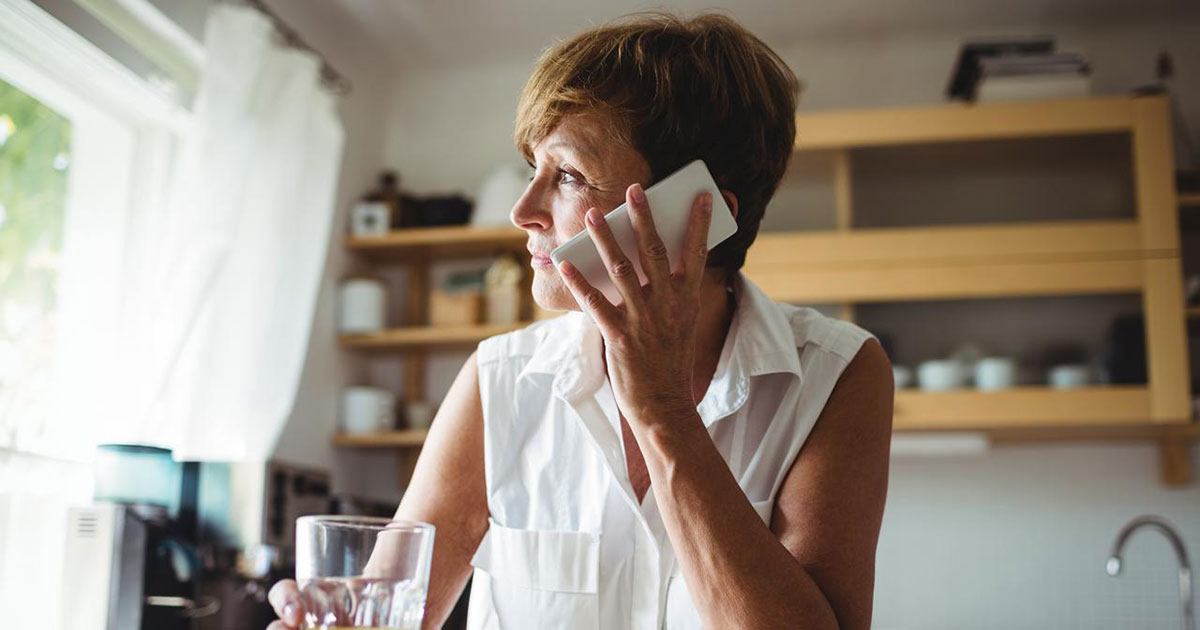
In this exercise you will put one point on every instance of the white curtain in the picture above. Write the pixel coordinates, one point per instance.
(219, 284)
(252, 210)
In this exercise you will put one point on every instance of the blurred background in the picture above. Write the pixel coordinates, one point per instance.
(245, 248)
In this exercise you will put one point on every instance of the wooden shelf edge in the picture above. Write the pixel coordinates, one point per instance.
(1143, 432)
(427, 336)
(1024, 407)
(931, 245)
(1103, 426)
(406, 438)
(420, 239)
(958, 122)
(1189, 200)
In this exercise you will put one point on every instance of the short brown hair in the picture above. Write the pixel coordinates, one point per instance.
(682, 89)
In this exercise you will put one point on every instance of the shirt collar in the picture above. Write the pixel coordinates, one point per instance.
(760, 341)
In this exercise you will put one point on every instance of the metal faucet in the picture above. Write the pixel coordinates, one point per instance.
(1113, 566)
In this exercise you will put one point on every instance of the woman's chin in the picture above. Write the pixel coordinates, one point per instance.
(551, 294)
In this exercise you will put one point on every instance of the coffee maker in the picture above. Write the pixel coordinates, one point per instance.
(169, 545)
(127, 568)
(131, 559)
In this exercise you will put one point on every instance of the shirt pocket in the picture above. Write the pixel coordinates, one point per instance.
(535, 579)
(682, 613)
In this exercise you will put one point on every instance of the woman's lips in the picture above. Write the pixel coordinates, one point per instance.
(541, 261)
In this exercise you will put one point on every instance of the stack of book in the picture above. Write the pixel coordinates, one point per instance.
(1021, 77)
(1018, 69)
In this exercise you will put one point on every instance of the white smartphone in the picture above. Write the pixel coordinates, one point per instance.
(670, 202)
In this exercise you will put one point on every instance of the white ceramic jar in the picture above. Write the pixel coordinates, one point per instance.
(361, 305)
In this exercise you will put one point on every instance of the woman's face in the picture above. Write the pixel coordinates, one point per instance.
(577, 167)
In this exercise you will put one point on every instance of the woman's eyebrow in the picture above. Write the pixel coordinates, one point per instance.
(587, 155)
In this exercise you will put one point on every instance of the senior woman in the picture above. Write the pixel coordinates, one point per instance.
(695, 455)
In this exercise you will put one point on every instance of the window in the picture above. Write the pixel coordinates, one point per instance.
(86, 157)
(34, 166)
(85, 150)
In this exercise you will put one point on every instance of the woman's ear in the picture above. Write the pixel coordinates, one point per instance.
(731, 201)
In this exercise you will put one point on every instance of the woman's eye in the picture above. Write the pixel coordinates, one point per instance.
(566, 177)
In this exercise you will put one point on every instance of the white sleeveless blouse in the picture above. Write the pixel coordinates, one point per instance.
(569, 545)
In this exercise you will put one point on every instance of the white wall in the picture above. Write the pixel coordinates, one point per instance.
(1018, 539)
(1015, 538)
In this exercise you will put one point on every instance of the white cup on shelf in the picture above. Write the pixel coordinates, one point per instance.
(995, 373)
(1068, 376)
(940, 375)
(367, 410)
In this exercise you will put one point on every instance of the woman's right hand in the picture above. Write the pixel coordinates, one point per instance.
(285, 599)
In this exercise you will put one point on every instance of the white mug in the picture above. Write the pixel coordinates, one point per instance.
(995, 373)
(367, 410)
(1068, 376)
(939, 375)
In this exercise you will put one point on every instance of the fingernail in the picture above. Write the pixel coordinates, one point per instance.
(566, 267)
(594, 217)
(706, 203)
(291, 614)
(638, 194)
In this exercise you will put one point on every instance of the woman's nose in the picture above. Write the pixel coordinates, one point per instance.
(529, 213)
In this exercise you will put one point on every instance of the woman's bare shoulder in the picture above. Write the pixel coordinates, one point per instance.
(829, 510)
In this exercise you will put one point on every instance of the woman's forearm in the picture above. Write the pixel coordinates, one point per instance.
(738, 573)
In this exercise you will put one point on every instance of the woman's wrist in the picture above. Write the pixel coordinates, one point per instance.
(664, 430)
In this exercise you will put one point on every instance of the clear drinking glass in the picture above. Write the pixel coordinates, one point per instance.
(362, 572)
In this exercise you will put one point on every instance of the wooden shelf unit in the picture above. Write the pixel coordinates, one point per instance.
(1141, 255)
(848, 265)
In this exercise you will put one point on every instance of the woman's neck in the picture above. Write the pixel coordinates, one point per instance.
(712, 326)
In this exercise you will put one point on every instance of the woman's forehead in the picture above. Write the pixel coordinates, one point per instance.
(590, 135)
(591, 139)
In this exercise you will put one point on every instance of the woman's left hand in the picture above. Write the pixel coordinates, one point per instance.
(649, 339)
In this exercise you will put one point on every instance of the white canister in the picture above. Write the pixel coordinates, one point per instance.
(361, 306)
(902, 376)
(367, 410)
(1068, 376)
(995, 373)
(940, 375)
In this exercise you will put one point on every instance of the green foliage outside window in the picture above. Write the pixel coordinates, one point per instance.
(34, 162)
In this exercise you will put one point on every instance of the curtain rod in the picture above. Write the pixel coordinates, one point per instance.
(335, 81)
